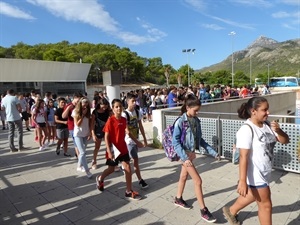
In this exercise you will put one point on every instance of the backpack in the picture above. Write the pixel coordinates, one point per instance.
(99, 125)
(128, 116)
(236, 153)
(167, 141)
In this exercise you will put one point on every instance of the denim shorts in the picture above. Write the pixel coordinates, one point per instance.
(258, 186)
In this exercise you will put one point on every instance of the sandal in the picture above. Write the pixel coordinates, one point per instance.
(67, 154)
(99, 184)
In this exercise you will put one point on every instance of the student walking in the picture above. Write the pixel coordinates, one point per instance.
(186, 152)
(99, 117)
(51, 122)
(115, 129)
(134, 123)
(82, 132)
(39, 116)
(256, 143)
(62, 131)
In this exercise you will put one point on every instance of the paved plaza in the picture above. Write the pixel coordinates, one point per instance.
(41, 188)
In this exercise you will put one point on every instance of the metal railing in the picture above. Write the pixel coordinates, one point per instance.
(220, 133)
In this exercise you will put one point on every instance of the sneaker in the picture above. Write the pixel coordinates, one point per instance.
(57, 151)
(99, 184)
(143, 184)
(218, 157)
(180, 202)
(122, 169)
(28, 129)
(133, 195)
(207, 216)
(42, 148)
(89, 174)
(94, 166)
(232, 219)
(53, 143)
(80, 169)
(67, 154)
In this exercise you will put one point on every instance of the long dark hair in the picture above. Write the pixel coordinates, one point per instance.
(244, 112)
(190, 101)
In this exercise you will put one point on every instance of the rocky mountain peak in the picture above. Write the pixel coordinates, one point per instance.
(263, 42)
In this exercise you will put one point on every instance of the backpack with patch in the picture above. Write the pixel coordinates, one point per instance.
(167, 140)
(236, 153)
(128, 117)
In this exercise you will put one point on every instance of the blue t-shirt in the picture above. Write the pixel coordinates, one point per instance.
(171, 102)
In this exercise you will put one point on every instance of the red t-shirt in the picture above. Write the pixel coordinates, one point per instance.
(70, 118)
(116, 129)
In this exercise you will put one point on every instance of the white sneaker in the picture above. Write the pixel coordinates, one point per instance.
(53, 143)
(80, 169)
(42, 148)
(89, 174)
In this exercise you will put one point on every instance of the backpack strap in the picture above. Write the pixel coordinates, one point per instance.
(250, 128)
(127, 116)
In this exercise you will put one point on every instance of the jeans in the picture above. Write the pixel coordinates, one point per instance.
(81, 143)
(11, 133)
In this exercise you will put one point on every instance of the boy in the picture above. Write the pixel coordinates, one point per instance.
(134, 123)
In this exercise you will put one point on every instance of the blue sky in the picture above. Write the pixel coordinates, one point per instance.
(152, 28)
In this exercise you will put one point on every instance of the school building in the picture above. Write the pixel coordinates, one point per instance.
(62, 78)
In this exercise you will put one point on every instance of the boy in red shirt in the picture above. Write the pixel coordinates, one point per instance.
(115, 130)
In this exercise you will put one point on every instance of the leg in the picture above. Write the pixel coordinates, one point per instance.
(20, 132)
(65, 141)
(128, 176)
(81, 144)
(242, 202)
(106, 172)
(191, 170)
(39, 134)
(96, 150)
(11, 134)
(263, 199)
(137, 168)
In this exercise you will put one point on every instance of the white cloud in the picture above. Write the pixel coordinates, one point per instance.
(291, 2)
(255, 3)
(94, 14)
(232, 23)
(198, 5)
(12, 11)
(212, 26)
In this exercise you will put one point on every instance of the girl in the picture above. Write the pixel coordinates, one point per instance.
(51, 121)
(115, 129)
(40, 120)
(99, 117)
(82, 132)
(186, 152)
(256, 143)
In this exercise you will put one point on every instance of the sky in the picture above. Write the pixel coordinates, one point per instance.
(152, 28)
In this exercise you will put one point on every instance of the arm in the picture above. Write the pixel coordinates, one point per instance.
(108, 144)
(138, 143)
(93, 122)
(66, 112)
(208, 148)
(59, 121)
(141, 127)
(243, 165)
(19, 108)
(282, 137)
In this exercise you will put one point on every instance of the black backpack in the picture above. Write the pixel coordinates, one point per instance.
(99, 125)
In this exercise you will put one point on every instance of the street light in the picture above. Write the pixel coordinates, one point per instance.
(188, 52)
(268, 74)
(232, 33)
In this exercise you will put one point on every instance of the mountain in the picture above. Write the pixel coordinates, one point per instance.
(280, 58)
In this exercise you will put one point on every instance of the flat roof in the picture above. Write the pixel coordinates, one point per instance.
(26, 70)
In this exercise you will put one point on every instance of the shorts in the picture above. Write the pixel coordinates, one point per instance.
(62, 133)
(25, 116)
(41, 125)
(51, 123)
(259, 186)
(121, 158)
(2, 115)
(133, 151)
(101, 135)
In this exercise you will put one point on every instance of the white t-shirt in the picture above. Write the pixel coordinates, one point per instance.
(133, 125)
(40, 115)
(83, 130)
(261, 147)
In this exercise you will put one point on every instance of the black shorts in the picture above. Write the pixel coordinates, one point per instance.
(121, 158)
(42, 124)
(25, 116)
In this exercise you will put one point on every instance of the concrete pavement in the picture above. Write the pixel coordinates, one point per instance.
(43, 188)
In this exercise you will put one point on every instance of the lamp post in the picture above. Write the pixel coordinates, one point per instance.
(188, 52)
(268, 74)
(250, 69)
(232, 33)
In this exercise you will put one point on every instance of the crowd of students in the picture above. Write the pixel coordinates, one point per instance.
(119, 124)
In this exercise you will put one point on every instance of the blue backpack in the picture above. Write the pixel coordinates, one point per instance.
(167, 141)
